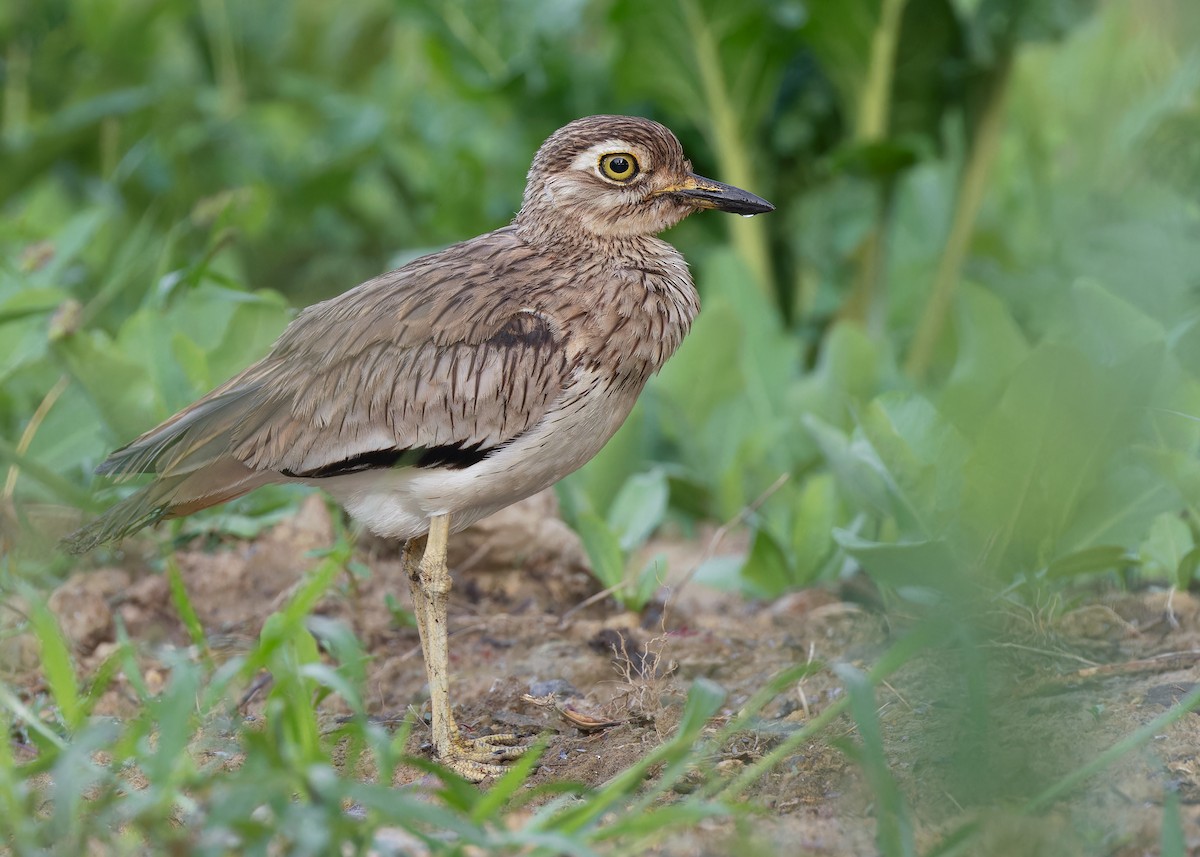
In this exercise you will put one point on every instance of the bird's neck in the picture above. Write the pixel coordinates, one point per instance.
(570, 241)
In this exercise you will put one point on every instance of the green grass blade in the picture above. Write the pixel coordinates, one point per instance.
(32, 722)
(1174, 842)
(894, 833)
(183, 604)
(506, 787)
(57, 666)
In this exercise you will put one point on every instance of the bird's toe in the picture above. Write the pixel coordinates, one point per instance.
(479, 758)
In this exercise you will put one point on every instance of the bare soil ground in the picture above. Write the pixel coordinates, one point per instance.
(969, 733)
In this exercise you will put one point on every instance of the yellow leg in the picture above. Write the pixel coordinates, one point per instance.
(429, 580)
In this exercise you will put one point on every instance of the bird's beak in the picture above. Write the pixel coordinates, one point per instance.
(707, 193)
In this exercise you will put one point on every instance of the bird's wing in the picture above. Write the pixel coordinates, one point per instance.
(439, 362)
(442, 355)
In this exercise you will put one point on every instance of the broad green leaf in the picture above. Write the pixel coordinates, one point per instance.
(850, 369)
(1089, 561)
(705, 372)
(1120, 508)
(1048, 444)
(639, 508)
(255, 321)
(767, 572)
(9, 313)
(232, 328)
(861, 476)
(725, 393)
(814, 514)
(603, 548)
(721, 572)
(49, 481)
(907, 565)
(23, 333)
(1186, 573)
(116, 382)
(922, 457)
(1105, 327)
(1163, 551)
(990, 346)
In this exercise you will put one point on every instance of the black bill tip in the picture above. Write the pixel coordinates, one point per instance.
(708, 193)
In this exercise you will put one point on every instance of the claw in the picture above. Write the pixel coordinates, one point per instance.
(478, 758)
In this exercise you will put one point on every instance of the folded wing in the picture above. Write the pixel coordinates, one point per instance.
(431, 365)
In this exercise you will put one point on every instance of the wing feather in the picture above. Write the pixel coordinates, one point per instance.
(450, 356)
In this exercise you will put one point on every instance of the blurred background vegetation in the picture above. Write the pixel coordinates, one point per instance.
(967, 341)
(965, 350)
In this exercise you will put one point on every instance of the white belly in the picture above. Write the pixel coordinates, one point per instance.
(398, 502)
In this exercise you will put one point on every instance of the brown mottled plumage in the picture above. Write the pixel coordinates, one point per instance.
(440, 392)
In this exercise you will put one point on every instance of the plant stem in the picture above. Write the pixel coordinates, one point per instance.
(749, 236)
(35, 422)
(872, 122)
(971, 188)
(871, 126)
(868, 280)
(224, 53)
(15, 116)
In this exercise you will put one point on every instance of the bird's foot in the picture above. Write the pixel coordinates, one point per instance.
(476, 759)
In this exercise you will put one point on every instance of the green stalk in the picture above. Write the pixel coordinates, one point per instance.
(224, 52)
(966, 210)
(876, 97)
(749, 236)
(15, 117)
(868, 280)
(871, 126)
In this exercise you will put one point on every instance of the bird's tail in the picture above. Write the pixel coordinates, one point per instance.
(148, 506)
(169, 497)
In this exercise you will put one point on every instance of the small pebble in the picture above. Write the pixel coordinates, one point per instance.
(553, 687)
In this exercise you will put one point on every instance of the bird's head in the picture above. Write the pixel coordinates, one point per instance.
(620, 176)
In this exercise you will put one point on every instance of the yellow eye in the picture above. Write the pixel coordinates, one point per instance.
(619, 166)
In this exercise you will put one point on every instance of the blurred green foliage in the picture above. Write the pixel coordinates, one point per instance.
(965, 348)
(968, 336)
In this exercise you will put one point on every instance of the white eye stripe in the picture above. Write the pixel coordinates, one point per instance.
(589, 159)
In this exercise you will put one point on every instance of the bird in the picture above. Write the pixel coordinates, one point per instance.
(438, 393)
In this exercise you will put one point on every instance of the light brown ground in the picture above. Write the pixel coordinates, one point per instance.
(956, 755)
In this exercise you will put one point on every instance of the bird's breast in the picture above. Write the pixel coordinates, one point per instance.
(638, 319)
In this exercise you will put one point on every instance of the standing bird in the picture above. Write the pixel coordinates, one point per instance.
(469, 379)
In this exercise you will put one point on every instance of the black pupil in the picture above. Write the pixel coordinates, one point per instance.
(619, 165)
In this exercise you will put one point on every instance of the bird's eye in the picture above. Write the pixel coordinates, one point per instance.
(619, 166)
